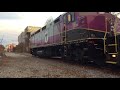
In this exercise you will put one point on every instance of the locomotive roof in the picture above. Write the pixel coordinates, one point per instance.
(35, 32)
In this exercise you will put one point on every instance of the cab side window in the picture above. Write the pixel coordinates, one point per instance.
(70, 17)
(73, 16)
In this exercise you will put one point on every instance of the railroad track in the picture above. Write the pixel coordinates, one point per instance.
(109, 68)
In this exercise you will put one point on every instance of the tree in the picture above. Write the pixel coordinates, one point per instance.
(2, 53)
(116, 13)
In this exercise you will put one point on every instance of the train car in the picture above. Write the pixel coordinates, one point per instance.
(80, 36)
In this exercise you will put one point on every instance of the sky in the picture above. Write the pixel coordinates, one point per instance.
(13, 23)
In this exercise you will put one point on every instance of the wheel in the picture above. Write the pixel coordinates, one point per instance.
(78, 55)
(82, 58)
(100, 62)
(118, 60)
(73, 54)
(100, 59)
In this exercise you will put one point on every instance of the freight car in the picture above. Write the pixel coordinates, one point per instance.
(80, 36)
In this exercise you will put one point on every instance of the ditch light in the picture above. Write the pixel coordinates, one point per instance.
(114, 55)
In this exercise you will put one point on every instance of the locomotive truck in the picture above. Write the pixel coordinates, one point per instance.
(80, 36)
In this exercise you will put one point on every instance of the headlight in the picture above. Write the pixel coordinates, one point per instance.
(113, 55)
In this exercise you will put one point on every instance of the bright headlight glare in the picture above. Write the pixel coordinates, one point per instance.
(113, 55)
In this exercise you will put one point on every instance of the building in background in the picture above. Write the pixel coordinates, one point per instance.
(28, 31)
(23, 39)
(10, 47)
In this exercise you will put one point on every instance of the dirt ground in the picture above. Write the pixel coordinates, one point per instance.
(22, 65)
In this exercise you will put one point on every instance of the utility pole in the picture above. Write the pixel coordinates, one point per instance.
(1, 40)
(2, 53)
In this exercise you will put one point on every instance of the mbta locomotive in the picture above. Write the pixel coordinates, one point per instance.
(80, 36)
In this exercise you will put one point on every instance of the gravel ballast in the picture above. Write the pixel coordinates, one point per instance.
(23, 65)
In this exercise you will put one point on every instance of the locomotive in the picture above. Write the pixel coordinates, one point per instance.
(80, 36)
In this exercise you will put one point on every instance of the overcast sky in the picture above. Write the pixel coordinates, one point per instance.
(13, 23)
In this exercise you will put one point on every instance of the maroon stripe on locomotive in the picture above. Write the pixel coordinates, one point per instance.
(96, 21)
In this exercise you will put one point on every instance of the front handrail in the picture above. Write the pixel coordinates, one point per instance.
(105, 35)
